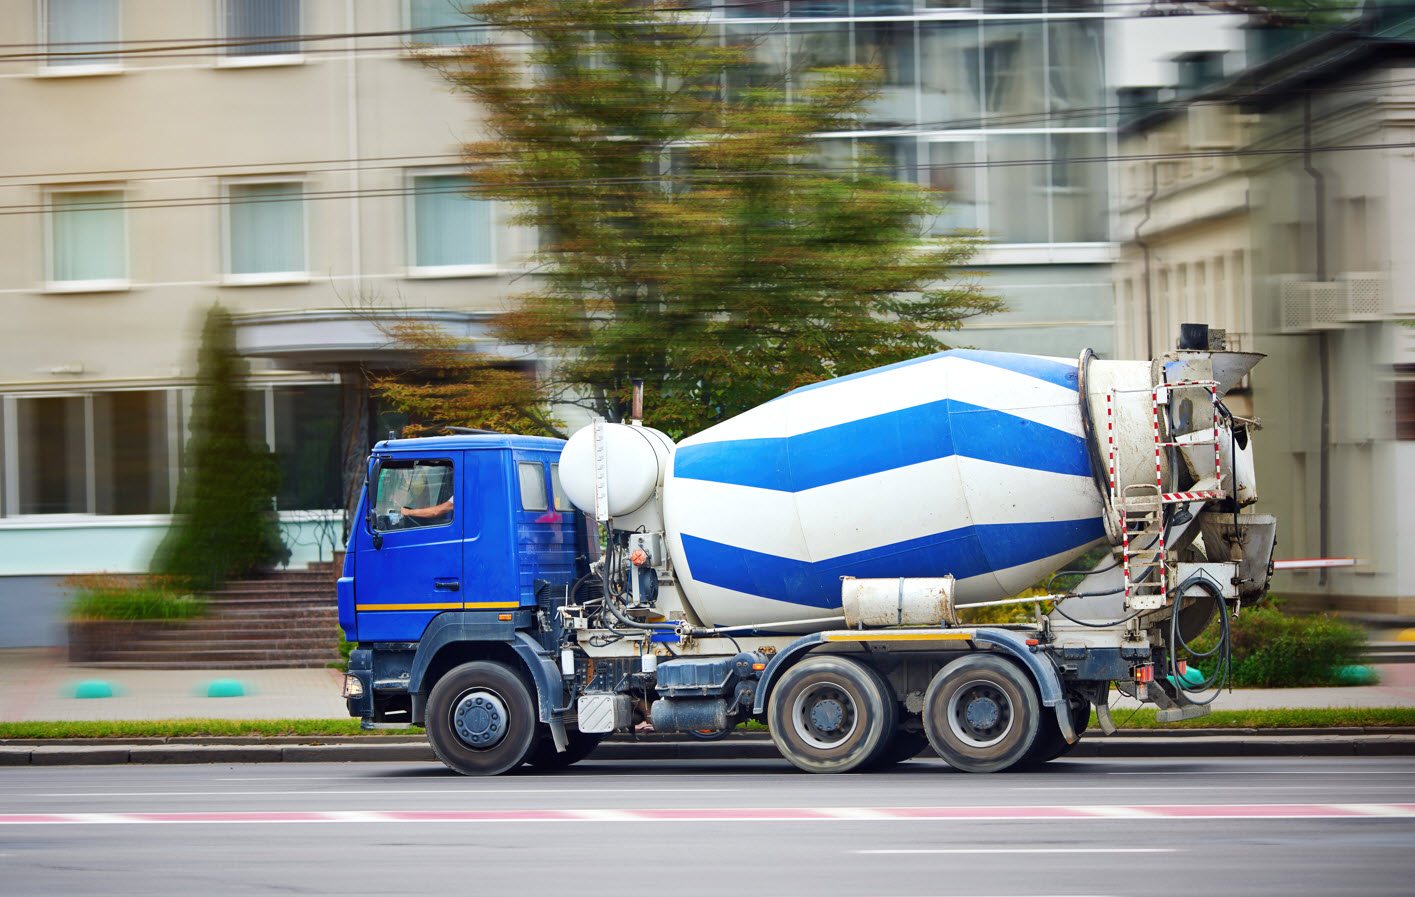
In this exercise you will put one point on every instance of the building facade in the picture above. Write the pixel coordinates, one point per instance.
(1271, 205)
(298, 162)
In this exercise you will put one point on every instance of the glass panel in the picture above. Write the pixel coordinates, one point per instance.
(1012, 69)
(248, 20)
(1076, 74)
(818, 45)
(1017, 193)
(52, 457)
(532, 476)
(307, 446)
(82, 32)
(267, 228)
(562, 501)
(1079, 196)
(442, 23)
(755, 9)
(87, 238)
(130, 453)
(953, 170)
(950, 93)
(410, 494)
(889, 46)
(884, 7)
(899, 155)
(765, 65)
(807, 9)
(449, 227)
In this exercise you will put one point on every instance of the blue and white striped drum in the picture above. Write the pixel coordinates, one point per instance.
(968, 463)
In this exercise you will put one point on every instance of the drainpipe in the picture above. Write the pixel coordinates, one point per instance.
(1319, 192)
(1145, 250)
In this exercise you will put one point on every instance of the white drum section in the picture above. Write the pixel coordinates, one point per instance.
(964, 463)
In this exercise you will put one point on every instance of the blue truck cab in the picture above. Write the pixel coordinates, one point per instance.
(461, 549)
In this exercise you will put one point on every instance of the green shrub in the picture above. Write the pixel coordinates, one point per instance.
(106, 596)
(1272, 649)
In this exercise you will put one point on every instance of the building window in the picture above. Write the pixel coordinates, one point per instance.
(265, 233)
(451, 232)
(1017, 177)
(889, 47)
(444, 23)
(88, 244)
(52, 455)
(950, 75)
(130, 451)
(261, 29)
(1013, 58)
(81, 36)
(953, 170)
(1078, 188)
(306, 424)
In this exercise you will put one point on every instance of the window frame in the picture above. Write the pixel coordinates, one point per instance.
(48, 69)
(225, 59)
(416, 50)
(411, 268)
(263, 278)
(92, 285)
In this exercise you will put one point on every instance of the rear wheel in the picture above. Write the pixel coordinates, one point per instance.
(982, 714)
(579, 745)
(832, 714)
(480, 719)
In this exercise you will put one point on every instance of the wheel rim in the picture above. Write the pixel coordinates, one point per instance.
(479, 718)
(824, 715)
(980, 714)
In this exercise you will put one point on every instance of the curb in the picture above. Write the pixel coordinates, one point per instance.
(415, 749)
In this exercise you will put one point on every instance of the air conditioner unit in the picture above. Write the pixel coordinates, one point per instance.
(1311, 305)
(1365, 295)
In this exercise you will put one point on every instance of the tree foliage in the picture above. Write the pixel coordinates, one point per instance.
(224, 524)
(694, 233)
(451, 386)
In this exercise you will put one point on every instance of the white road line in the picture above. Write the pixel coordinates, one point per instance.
(1274, 772)
(438, 792)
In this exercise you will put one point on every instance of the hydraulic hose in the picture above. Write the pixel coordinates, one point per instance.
(1222, 649)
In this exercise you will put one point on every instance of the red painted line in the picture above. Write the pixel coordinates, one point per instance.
(1250, 811)
(31, 819)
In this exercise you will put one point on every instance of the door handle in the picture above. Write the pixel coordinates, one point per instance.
(447, 585)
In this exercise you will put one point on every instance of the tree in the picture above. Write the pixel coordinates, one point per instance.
(452, 386)
(224, 522)
(693, 233)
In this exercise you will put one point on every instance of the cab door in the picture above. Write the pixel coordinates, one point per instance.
(409, 564)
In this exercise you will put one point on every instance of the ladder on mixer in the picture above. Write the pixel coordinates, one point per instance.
(1140, 506)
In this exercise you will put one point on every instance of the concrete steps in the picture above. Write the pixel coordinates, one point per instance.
(278, 620)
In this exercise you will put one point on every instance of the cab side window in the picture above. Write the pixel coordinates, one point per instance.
(532, 478)
(410, 493)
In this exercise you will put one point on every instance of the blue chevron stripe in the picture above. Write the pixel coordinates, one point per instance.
(964, 552)
(884, 442)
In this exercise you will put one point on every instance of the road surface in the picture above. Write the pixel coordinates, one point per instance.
(1081, 827)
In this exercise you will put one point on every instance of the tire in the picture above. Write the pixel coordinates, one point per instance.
(544, 756)
(480, 719)
(905, 746)
(832, 714)
(982, 714)
(1050, 743)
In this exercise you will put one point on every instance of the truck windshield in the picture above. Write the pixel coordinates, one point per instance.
(411, 493)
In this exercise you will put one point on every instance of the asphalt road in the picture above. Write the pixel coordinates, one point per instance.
(1135, 827)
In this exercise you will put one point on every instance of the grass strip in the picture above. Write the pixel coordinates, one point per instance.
(1322, 718)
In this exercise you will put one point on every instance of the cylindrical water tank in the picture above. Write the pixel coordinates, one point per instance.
(964, 463)
(637, 459)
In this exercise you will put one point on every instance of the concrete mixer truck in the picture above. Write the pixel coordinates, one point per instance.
(808, 564)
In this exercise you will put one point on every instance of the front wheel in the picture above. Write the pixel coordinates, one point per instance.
(832, 714)
(982, 714)
(578, 747)
(480, 719)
